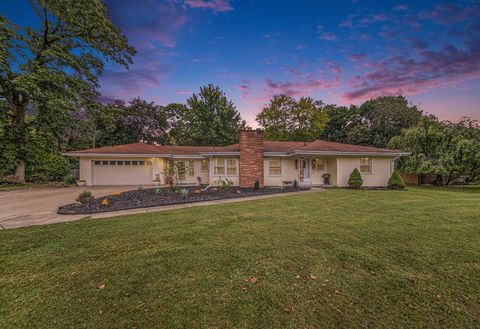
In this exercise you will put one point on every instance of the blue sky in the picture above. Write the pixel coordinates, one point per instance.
(342, 52)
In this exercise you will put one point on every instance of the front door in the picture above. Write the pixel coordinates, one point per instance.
(304, 171)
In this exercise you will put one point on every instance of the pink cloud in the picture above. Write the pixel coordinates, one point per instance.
(215, 5)
(183, 92)
(357, 57)
(297, 88)
(412, 75)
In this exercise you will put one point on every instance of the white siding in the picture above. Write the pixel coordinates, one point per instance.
(381, 170)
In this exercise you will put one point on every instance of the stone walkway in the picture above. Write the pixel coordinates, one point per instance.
(30, 207)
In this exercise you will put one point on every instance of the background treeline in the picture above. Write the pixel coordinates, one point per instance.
(49, 87)
(439, 148)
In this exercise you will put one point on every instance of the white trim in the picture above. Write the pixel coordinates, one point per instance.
(275, 154)
(366, 154)
(218, 154)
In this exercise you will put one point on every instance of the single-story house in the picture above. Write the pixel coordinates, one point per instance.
(273, 163)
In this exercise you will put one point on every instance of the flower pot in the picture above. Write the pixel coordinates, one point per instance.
(81, 183)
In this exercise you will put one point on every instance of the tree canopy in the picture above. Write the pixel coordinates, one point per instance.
(209, 118)
(439, 148)
(51, 69)
(296, 120)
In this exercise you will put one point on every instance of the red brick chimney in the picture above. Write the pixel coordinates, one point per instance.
(251, 157)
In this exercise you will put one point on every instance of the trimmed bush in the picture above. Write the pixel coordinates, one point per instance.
(355, 180)
(295, 184)
(84, 197)
(396, 181)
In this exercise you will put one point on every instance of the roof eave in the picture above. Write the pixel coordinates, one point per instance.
(209, 154)
(117, 155)
(350, 153)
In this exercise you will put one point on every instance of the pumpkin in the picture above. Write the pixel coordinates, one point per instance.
(105, 202)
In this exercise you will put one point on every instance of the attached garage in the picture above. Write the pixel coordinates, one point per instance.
(122, 172)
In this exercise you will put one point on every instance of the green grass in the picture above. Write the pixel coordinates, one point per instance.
(338, 259)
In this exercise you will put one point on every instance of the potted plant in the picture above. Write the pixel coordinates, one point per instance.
(326, 178)
(81, 182)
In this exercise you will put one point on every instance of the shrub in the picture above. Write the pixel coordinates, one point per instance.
(184, 193)
(256, 186)
(69, 179)
(84, 197)
(396, 181)
(157, 190)
(224, 184)
(295, 184)
(355, 180)
(140, 187)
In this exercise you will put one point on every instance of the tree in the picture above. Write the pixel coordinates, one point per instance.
(446, 149)
(288, 119)
(138, 121)
(208, 119)
(373, 123)
(53, 69)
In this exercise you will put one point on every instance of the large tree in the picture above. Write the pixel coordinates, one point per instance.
(209, 118)
(372, 123)
(448, 150)
(50, 68)
(295, 120)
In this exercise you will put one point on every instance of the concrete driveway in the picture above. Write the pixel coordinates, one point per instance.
(37, 206)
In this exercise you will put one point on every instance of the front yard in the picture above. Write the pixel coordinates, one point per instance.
(338, 259)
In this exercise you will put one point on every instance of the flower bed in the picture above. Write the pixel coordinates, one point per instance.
(143, 198)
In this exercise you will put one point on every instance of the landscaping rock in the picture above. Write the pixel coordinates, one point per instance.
(162, 197)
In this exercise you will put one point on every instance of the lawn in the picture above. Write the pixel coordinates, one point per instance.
(338, 259)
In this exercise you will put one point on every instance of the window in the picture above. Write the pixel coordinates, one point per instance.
(231, 167)
(274, 166)
(119, 163)
(191, 168)
(127, 163)
(149, 163)
(181, 170)
(219, 166)
(134, 163)
(204, 165)
(98, 163)
(366, 165)
(104, 163)
(318, 164)
(171, 167)
(141, 163)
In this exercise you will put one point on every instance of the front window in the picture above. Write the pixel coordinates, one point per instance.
(318, 164)
(204, 165)
(219, 166)
(366, 165)
(274, 166)
(231, 167)
(181, 170)
(191, 168)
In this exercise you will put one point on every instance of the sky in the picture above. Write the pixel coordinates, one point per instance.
(341, 52)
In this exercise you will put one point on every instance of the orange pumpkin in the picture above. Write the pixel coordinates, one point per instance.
(117, 194)
(105, 202)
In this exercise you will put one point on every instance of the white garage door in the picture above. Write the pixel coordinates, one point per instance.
(122, 172)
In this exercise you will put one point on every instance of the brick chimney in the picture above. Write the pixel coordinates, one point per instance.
(251, 157)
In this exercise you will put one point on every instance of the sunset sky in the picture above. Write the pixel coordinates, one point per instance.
(341, 52)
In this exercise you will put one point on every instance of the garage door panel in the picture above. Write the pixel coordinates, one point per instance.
(122, 175)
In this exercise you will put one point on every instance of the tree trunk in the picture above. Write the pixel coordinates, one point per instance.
(20, 171)
(18, 137)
